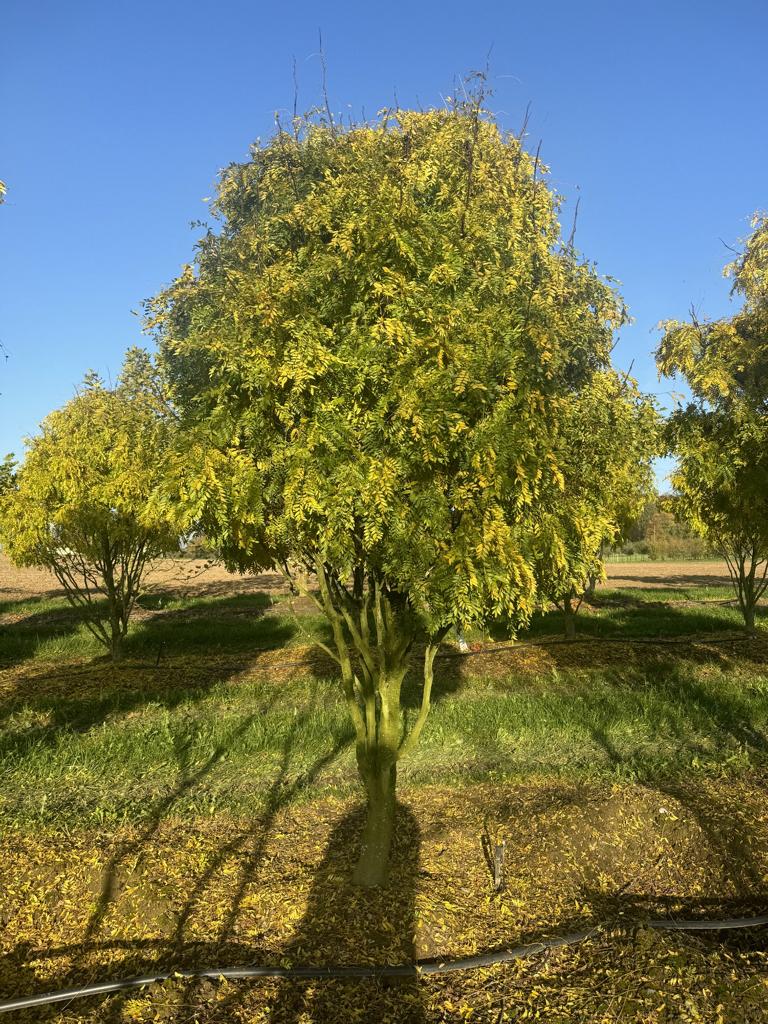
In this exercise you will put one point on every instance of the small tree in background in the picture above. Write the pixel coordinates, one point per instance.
(720, 438)
(7, 474)
(79, 503)
(608, 438)
(373, 360)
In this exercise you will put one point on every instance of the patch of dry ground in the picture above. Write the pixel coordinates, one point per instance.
(275, 891)
(197, 577)
(664, 575)
(184, 577)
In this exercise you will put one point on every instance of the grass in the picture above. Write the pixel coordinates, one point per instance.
(202, 810)
(51, 630)
(647, 612)
(106, 744)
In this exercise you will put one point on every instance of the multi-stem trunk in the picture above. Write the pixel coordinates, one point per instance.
(379, 628)
(749, 574)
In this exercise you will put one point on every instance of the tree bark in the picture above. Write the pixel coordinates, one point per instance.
(116, 644)
(569, 618)
(749, 616)
(373, 865)
(117, 626)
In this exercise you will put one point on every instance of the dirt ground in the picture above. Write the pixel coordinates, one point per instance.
(180, 575)
(186, 576)
(667, 574)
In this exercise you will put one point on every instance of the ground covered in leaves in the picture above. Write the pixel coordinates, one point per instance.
(197, 807)
(84, 905)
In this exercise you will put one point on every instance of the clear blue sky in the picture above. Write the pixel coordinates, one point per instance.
(117, 116)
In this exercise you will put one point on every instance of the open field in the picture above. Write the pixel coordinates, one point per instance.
(192, 576)
(197, 806)
(667, 574)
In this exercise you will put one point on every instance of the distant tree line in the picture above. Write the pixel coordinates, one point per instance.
(661, 535)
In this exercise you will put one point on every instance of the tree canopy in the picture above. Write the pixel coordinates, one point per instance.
(720, 437)
(80, 503)
(374, 357)
(609, 435)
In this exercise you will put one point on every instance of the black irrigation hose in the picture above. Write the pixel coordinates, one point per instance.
(363, 971)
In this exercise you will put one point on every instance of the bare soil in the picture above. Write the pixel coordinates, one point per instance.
(187, 576)
(179, 575)
(663, 575)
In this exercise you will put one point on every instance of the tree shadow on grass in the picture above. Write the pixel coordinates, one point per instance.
(235, 623)
(21, 638)
(730, 834)
(242, 855)
(685, 704)
(51, 703)
(632, 617)
(691, 579)
(630, 663)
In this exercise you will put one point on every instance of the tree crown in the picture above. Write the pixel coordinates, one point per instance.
(374, 354)
(89, 474)
(721, 437)
(725, 362)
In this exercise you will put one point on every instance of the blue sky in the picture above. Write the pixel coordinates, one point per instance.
(117, 116)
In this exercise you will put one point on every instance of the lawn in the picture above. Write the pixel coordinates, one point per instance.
(197, 806)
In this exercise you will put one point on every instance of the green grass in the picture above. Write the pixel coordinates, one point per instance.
(672, 595)
(644, 612)
(99, 745)
(51, 630)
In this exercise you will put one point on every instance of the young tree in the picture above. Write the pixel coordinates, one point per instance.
(608, 439)
(373, 357)
(720, 437)
(79, 503)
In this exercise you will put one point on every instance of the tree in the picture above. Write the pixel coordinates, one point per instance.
(79, 503)
(720, 437)
(609, 437)
(7, 474)
(372, 359)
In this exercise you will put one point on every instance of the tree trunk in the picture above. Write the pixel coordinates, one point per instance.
(749, 616)
(116, 645)
(380, 627)
(380, 781)
(569, 618)
(747, 599)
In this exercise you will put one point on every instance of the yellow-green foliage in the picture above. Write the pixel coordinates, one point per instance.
(721, 436)
(79, 505)
(375, 358)
(378, 353)
(725, 362)
(608, 438)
